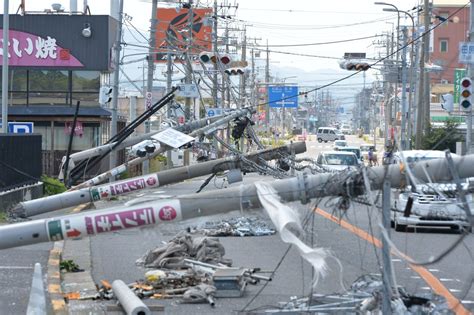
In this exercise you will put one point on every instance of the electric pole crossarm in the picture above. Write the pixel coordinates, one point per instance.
(106, 191)
(303, 187)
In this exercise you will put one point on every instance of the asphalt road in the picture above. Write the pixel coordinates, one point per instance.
(114, 255)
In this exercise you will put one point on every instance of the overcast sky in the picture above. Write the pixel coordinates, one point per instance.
(296, 22)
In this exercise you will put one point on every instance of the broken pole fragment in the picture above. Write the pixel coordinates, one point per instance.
(302, 187)
(109, 190)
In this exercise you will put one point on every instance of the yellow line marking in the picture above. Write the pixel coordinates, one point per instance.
(431, 280)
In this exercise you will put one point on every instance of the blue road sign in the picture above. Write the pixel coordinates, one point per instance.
(20, 127)
(216, 111)
(283, 96)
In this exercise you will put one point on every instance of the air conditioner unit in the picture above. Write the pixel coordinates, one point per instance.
(444, 81)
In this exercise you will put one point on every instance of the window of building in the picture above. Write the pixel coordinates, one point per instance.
(443, 45)
(53, 87)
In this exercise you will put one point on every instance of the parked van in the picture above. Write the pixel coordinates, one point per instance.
(329, 134)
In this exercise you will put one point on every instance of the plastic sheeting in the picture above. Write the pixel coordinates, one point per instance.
(287, 222)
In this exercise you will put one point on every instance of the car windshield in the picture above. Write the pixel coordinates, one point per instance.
(353, 150)
(340, 143)
(340, 159)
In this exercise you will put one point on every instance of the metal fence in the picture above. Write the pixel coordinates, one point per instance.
(20, 160)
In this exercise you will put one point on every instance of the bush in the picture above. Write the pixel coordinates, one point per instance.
(442, 138)
(52, 186)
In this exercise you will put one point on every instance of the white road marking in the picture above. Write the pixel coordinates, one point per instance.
(425, 288)
(467, 302)
(446, 280)
(415, 277)
(454, 290)
(396, 260)
(15, 267)
(433, 270)
(159, 192)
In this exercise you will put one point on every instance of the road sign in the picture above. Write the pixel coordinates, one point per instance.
(173, 138)
(20, 127)
(466, 52)
(148, 99)
(211, 112)
(188, 90)
(283, 96)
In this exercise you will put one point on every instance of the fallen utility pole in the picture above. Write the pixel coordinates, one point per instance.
(175, 175)
(212, 125)
(303, 187)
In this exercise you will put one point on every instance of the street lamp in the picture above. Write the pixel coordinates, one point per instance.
(389, 106)
(406, 113)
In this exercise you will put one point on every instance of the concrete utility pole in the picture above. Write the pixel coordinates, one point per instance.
(302, 187)
(243, 77)
(427, 83)
(151, 68)
(117, 49)
(470, 74)
(214, 47)
(189, 68)
(107, 191)
(267, 81)
(403, 129)
(423, 108)
(6, 28)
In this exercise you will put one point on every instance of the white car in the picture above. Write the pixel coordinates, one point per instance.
(337, 160)
(339, 144)
(434, 205)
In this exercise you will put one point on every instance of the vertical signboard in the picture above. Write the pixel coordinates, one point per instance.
(458, 75)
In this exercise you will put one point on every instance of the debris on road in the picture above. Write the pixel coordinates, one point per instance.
(172, 254)
(241, 226)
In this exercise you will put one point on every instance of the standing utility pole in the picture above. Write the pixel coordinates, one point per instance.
(117, 48)
(403, 131)
(214, 44)
(424, 93)
(470, 75)
(189, 47)
(242, 86)
(151, 66)
(5, 67)
(267, 81)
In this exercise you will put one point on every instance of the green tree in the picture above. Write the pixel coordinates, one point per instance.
(442, 138)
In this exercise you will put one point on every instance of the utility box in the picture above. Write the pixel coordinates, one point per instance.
(229, 282)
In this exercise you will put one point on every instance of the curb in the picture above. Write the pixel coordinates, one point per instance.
(54, 280)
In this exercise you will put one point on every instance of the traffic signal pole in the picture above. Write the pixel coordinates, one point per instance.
(302, 187)
(107, 191)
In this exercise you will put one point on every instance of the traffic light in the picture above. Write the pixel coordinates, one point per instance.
(356, 65)
(466, 94)
(234, 71)
(105, 95)
(447, 102)
(208, 57)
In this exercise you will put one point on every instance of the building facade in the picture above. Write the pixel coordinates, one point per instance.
(55, 61)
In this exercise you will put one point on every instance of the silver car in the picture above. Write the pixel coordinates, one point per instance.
(434, 205)
(337, 160)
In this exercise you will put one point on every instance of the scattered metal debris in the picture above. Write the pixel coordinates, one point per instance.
(364, 297)
(241, 226)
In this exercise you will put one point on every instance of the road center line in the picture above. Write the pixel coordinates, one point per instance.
(454, 304)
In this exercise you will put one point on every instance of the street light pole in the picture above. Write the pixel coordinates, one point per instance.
(406, 112)
(397, 53)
